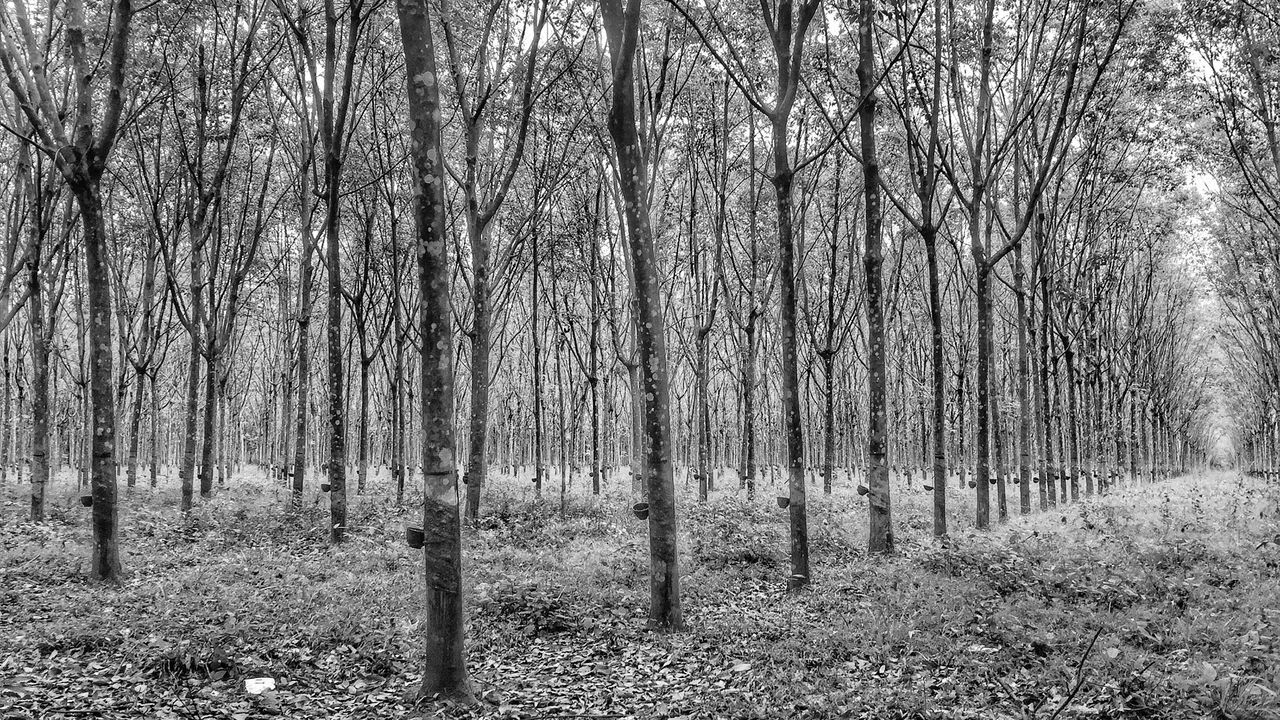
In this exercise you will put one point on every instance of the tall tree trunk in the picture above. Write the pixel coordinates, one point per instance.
(929, 233)
(828, 421)
(536, 335)
(154, 468)
(638, 487)
(209, 445)
(594, 370)
(1073, 423)
(749, 461)
(304, 350)
(983, 410)
(880, 521)
(191, 427)
(397, 422)
(102, 470)
(622, 30)
(333, 333)
(223, 453)
(1024, 387)
(792, 422)
(363, 471)
(6, 409)
(135, 424)
(1098, 482)
(703, 410)
(478, 427)
(1048, 491)
(445, 671)
(39, 378)
(997, 444)
(1059, 418)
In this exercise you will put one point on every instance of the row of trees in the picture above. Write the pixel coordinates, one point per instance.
(796, 241)
(1240, 52)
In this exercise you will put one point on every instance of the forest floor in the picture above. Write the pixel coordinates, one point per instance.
(1156, 601)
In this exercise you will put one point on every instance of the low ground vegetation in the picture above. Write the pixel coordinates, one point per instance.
(1152, 602)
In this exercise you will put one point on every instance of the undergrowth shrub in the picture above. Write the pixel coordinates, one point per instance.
(732, 532)
(542, 524)
(531, 607)
(45, 565)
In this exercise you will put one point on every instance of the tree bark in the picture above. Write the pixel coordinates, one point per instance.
(154, 468)
(929, 233)
(304, 349)
(39, 378)
(333, 334)
(191, 429)
(363, 471)
(749, 462)
(828, 421)
(102, 466)
(210, 416)
(445, 672)
(880, 538)
(1024, 388)
(478, 427)
(622, 31)
(1073, 423)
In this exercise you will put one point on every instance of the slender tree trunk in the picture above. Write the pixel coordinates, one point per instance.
(929, 233)
(397, 423)
(622, 31)
(703, 410)
(983, 410)
(749, 462)
(191, 431)
(102, 471)
(333, 333)
(1097, 483)
(154, 468)
(1048, 491)
(210, 415)
(135, 424)
(638, 486)
(1073, 424)
(792, 422)
(1134, 433)
(536, 335)
(997, 444)
(477, 457)
(828, 422)
(1024, 388)
(224, 451)
(445, 671)
(284, 449)
(363, 476)
(881, 538)
(1059, 416)
(304, 355)
(39, 380)
(595, 426)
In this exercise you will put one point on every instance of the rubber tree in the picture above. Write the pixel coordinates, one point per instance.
(622, 30)
(478, 92)
(46, 279)
(787, 26)
(880, 520)
(445, 670)
(79, 135)
(924, 160)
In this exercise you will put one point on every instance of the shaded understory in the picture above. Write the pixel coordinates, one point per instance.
(1159, 601)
